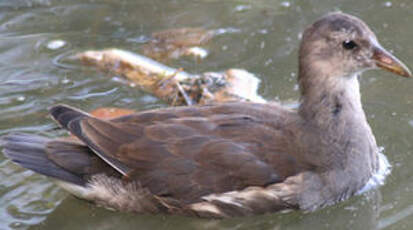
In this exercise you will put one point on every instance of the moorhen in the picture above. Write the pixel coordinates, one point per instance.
(230, 159)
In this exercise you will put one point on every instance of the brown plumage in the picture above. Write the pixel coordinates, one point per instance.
(228, 159)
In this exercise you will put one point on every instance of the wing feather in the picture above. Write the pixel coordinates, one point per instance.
(187, 152)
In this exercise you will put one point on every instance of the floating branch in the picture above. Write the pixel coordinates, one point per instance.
(176, 86)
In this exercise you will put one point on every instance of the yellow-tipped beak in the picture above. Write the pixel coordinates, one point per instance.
(387, 61)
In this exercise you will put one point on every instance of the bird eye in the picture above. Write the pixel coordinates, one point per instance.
(349, 45)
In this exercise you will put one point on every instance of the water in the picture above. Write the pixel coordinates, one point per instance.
(258, 35)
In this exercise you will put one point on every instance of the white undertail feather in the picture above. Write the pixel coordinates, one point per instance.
(112, 193)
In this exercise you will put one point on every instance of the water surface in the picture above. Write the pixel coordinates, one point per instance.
(263, 38)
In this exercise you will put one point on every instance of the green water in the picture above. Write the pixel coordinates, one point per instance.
(263, 37)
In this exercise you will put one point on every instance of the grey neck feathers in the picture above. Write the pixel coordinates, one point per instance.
(326, 98)
(331, 107)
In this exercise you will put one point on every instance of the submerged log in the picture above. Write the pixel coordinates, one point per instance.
(174, 43)
(110, 112)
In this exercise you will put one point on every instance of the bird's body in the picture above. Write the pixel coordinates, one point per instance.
(228, 159)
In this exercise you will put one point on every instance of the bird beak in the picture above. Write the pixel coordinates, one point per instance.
(387, 61)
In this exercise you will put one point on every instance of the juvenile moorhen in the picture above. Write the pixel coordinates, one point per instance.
(228, 159)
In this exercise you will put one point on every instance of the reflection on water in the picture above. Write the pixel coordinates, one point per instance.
(258, 35)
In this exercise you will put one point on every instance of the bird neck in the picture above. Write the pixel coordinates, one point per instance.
(331, 108)
(326, 98)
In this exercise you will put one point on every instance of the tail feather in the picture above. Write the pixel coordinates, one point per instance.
(65, 114)
(89, 130)
(29, 151)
